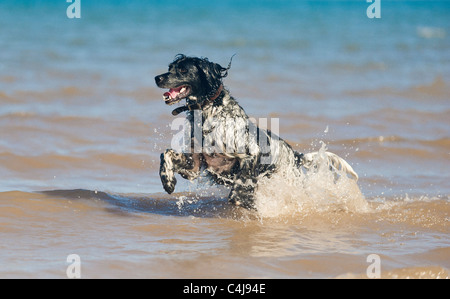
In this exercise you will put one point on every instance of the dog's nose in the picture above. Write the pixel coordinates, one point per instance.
(159, 79)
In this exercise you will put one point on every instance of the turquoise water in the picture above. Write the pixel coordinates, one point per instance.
(314, 43)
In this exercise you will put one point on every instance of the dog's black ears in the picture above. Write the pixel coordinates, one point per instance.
(223, 72)
(218, 71)
(211, 73)
(215, 69)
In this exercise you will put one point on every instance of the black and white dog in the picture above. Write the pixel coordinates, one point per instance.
(231, 149)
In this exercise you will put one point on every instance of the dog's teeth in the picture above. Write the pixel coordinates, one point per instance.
(182, 89)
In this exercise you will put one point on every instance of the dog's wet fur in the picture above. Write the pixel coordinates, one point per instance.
(199, 81)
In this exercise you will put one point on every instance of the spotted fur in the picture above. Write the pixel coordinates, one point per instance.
(233, 150)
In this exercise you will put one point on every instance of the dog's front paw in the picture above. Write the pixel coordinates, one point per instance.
(166, 173)
(168, 183)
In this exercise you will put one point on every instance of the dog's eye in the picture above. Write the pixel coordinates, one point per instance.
(182, 70)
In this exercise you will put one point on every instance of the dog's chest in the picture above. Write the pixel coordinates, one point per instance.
(219, 163)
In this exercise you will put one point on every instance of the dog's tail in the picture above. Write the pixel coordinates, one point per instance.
(311, 160)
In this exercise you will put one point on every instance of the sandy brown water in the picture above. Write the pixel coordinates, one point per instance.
(89, 185)
(138, 236)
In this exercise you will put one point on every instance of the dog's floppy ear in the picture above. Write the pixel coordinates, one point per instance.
(213, 74)
(221, 71)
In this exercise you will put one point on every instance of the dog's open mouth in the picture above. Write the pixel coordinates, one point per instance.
(174, 95)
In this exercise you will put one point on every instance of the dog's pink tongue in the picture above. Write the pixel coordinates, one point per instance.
(173, 92)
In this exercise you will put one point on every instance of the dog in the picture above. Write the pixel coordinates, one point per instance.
(232, 150)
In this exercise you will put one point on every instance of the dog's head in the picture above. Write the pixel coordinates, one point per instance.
(194, 78)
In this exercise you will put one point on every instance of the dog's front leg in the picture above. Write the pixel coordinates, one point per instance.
(187, 165)
(166, 171)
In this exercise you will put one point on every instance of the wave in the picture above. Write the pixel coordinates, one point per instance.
(320, 210)
(178, 204)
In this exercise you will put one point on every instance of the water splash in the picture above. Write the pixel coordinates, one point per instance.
(316, 190)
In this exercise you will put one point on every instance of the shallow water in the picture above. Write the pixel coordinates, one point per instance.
(160, 236)
(82, 125)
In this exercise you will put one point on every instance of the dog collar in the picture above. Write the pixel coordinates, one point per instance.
(196, 106)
